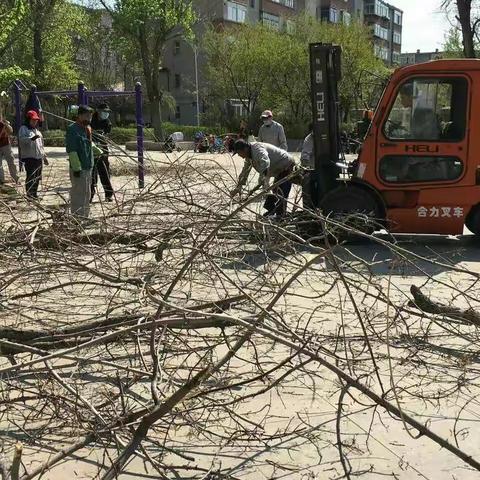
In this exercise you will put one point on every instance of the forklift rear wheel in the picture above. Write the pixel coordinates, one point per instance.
(473, 220)
(353, 208)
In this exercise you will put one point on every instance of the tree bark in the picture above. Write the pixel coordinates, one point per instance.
(39, 65)
(151, 65)
(464, 8)
(40, 11)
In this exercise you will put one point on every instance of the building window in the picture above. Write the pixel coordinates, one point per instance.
(381, 52)
(331, 15)
(176, 50)
(396, 58)
(177, 112)
(236, 13)
(290, 3)
(237, 107)
(290, 27)
(378, 8)
(397, 17)
(334, 15)
(270, 20)
(380, 32)
(252, 3)
(178, 80)
(346, 17)
(397, 38)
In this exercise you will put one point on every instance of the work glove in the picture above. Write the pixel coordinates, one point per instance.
(96, 151)
(75, 163)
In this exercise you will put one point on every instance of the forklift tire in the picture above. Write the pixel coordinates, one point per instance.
(351, 207)
(472, 221)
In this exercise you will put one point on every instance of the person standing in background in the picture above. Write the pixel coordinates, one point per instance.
(32, 153)
(101, 127)
(272, 132)
(6, 152)
(81, 151)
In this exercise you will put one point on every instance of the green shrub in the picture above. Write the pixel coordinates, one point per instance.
(122, 135)
(54, 138)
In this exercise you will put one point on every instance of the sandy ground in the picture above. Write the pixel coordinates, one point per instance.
(377, 444)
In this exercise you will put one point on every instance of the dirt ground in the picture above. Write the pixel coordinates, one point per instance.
(427, 367)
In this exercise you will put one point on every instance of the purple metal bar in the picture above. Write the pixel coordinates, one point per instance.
(109, 93)
(82, 97)
(139, 119)
(65, 93)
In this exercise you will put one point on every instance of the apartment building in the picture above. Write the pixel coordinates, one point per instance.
(334, 11)
(183, 64)
(386, 23)
(419, 57)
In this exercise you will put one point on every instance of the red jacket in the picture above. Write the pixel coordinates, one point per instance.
(4, 136)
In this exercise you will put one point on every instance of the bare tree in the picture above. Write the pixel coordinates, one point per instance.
(463, 14)
(179, 335)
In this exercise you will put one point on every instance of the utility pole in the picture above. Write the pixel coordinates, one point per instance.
(195, 52)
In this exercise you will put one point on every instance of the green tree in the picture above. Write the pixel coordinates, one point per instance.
(267, 68)
(148, 24)
(453, 48)
(102, 65)
(11, 15)
(55, 65)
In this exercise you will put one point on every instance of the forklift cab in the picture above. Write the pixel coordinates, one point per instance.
(419, 168)
(418, 154)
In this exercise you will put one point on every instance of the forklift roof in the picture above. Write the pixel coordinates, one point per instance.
(447, 66)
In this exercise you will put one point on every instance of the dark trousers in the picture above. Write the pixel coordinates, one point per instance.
(307, 186)
(33, 167)
(276, 202)
(101, 167)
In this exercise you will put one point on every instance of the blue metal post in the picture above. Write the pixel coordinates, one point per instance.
(139, 120)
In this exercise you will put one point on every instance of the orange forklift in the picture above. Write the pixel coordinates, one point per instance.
(419, 167)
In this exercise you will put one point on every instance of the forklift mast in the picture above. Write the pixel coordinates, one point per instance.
(325, 73)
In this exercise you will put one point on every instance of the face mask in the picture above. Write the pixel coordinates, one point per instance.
(104, 115)
(268, 121)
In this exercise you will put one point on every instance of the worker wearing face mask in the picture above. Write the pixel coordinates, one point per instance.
(101, 127)
(81, 152)
(272, 132)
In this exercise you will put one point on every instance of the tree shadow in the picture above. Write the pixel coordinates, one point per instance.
(408, 255)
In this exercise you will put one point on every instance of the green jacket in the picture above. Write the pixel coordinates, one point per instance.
(80, 147)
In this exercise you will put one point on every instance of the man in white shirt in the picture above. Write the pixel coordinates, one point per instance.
(272, 132)
(268, 161)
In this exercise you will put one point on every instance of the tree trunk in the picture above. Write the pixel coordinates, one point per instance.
(39, 65)
(151, 66)
(156, 117)
(464, 8)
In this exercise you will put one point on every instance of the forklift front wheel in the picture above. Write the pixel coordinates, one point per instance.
(351, 208)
